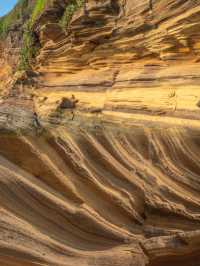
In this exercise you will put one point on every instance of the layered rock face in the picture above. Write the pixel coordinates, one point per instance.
(99, 146)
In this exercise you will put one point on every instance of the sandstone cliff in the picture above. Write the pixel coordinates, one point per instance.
(100, 136)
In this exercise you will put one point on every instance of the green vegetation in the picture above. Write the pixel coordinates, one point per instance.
(29, 50)
(37, 10)
(69, 12)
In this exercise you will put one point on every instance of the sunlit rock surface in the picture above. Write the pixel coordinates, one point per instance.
(100, 143)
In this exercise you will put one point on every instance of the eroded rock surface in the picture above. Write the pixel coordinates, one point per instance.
(100, 141)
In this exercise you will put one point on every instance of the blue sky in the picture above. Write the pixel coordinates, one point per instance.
(6, 6)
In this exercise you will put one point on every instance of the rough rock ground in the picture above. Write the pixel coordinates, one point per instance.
(115, 178)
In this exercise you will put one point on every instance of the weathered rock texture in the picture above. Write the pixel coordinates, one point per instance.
(99, 150)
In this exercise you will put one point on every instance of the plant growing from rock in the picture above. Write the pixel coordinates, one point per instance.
(29, 50)
(71, 8)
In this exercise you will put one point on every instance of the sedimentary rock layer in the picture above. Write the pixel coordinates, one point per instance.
(99, 143)
(105, 195)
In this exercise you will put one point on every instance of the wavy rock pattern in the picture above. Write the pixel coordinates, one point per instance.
(112, 178)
